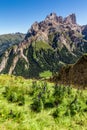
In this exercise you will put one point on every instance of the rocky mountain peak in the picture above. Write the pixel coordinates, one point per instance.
(71, 19)
(52, 16)
(51, 24)
(52, 20)
(35, 26)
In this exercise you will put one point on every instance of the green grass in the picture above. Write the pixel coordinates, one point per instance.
(61, 108)
(45, 74)
(41, 45)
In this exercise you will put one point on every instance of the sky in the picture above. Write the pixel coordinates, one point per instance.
(19, 15)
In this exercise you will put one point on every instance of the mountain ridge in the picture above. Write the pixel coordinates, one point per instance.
(8, 40)
(48, 45)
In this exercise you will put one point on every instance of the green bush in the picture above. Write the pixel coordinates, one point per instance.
(37, 105)
(14, 95)
(41, 97)
(21, 100)
(17, 115)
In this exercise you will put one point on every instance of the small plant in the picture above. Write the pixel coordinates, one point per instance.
(41, 97)
(17, 115)
(21, 100)
(37, 105)
(14, 95)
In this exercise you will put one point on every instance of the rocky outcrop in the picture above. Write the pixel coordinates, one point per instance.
(14, 62)
(84, 31)
(52, 18)
(71, 19)
(4, 61)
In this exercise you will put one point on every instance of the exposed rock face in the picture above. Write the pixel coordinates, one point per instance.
(84, 31)
(71, 19)
(52, 17)
(4, 61)
(48, 45)
(67, 29)
(55, 24)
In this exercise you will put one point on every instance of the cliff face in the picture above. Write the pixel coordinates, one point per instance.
(48, 45)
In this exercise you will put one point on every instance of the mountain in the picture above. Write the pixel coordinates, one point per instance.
(8, 40)
(48, 45)
(75, 74)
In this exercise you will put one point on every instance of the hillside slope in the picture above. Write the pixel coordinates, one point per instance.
(8, 40)
(39, 105)
(75, 74)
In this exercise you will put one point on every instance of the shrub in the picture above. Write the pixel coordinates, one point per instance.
(14, 95)
(37, 105)
(41, 97)
(15, 114)
(21, 100)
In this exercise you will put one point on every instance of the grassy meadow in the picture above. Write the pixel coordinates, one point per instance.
(27, 104)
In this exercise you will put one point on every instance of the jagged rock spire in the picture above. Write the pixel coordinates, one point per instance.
(70, 19)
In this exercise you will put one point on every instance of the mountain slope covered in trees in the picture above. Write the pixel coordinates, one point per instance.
(8, 40)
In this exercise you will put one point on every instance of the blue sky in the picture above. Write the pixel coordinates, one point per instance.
(18, 15)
